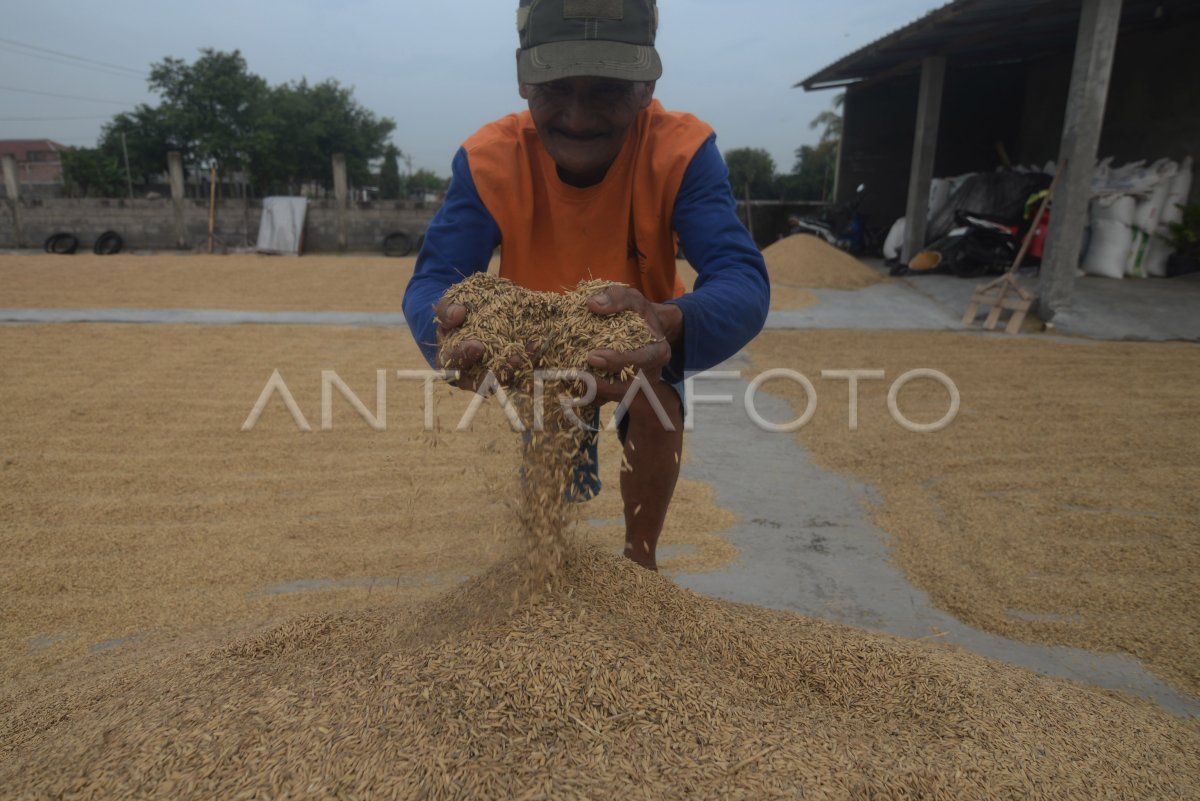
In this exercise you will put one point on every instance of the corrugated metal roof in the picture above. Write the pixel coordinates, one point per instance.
(986, 31)
(20, 149)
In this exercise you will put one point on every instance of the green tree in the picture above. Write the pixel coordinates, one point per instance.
(829, 121)
(212, 106)
(389, 174)
(215, 110)
(92, 173)
(812, 174)
(426, 181)
(148, 137)
(303, 125)
(751, 167)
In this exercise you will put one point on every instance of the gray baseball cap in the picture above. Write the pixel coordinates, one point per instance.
(587, 38)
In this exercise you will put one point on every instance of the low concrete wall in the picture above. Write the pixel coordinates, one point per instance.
(150, 224)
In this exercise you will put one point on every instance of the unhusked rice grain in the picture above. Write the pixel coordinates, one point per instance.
(617, 684)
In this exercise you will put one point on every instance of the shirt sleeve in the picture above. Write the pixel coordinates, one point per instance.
(458, 243)
(728, 305)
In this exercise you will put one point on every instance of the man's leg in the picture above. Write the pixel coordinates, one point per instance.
(646, 490)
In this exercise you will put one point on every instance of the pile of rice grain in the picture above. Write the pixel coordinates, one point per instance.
(523, 330)
(806, 262)
(618, 684)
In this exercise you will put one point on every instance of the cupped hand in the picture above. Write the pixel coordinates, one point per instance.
(648, 359)
(465, 356)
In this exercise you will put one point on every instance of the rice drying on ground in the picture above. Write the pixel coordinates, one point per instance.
(351, 282)
(783, 298)
(801, 261)
(137, 513)
(1053, 508)
(618, 684)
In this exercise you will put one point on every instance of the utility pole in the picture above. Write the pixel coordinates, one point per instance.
(128, 174)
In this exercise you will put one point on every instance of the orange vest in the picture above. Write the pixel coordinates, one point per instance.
(554, 235)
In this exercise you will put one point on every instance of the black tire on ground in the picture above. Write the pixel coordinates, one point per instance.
(397, 244)
(108, 244)
(420, 242)
(61, 243)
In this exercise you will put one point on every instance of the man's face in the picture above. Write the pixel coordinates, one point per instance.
(583, 122)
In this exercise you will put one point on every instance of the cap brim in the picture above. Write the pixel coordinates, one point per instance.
(593, 59)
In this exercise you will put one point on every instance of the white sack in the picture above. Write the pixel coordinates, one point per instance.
(1108, 248)
(1146, 216)
(895, 239)
(939, 196)
(1120, 208)
(1149, 209)
(1155, 262)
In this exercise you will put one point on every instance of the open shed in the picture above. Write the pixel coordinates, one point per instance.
(976, 83)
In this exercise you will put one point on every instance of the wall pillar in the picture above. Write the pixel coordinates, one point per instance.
(929, 113)
(175, 173)
(1099, 21)
(14, 197)
(339, 194)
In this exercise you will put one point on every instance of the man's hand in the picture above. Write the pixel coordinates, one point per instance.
(663, 320)
(466, 356)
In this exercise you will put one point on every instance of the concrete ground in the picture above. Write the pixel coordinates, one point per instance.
(830, 561)
(1150, 309)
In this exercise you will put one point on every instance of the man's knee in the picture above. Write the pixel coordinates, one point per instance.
(655, 417)
(665, 402)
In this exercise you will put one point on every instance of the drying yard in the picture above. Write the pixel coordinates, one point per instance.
(194, 610)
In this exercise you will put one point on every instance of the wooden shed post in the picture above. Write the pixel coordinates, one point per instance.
(929, 112)
(1099, 21)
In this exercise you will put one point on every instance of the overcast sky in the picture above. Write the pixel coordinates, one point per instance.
(440, 68)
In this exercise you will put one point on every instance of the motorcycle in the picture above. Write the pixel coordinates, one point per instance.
(978, 245)
(842, 226)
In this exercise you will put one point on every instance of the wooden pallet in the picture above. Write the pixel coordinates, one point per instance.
(1003, 293)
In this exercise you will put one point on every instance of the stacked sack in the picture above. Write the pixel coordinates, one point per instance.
(1131, 208)
(1153, 258)
(1112, 235)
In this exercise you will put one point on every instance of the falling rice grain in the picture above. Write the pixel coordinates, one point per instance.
(522, 331)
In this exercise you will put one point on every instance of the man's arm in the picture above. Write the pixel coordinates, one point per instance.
(728, 305)
(458, 243)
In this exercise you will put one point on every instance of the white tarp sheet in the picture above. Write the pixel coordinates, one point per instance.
(282, 227)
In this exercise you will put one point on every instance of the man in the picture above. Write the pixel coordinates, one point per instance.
(596, 180)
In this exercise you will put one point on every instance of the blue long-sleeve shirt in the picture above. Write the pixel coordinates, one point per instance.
(725, 310)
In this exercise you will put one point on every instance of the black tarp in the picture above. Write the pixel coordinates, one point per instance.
(996, 194)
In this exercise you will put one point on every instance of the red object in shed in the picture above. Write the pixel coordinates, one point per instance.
(1037, 245)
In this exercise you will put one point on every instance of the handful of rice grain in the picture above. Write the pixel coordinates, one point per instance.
(541, 329)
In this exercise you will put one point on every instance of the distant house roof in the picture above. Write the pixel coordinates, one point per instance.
(975, 32)
(20, 149)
